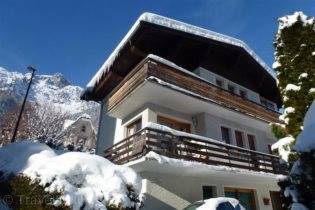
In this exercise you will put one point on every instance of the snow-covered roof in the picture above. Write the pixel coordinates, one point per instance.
(179, 26)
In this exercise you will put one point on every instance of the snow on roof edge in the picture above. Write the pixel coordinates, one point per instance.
(180, 26)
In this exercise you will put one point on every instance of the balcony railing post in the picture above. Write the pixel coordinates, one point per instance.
(189, 148)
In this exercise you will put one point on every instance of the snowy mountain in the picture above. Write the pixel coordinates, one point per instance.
(53, 89)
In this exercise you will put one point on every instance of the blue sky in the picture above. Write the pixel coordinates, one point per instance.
(75, 37)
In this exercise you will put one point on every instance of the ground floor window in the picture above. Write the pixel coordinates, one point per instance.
(245, 196)
(208, 192)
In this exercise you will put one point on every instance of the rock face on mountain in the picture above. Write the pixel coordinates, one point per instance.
(53, 89)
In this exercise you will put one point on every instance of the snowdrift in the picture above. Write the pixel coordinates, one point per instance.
(84, 179)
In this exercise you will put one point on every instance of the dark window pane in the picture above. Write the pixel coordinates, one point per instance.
(225, 133)
(239, 139)
(207, 192)
(219, 83)
(243, 93)
(231, 88)
(251, 142)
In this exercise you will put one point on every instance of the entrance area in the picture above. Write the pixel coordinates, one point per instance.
(245, 196)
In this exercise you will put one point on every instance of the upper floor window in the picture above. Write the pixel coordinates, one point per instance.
(219, 83)
(225, 133)
(231, 88)
(243, 93)
(239, 138)
(251, 142)
(266, 103)
(134, 127)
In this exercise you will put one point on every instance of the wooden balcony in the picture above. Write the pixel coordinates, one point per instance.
(199, 87)
(190, 148)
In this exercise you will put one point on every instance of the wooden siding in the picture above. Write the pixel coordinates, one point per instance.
(220, 96)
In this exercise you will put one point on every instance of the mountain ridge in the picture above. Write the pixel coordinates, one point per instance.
(54, 89)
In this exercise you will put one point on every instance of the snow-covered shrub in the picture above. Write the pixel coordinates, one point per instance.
(84, 181)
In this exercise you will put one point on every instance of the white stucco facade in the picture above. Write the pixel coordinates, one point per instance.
(166, 187)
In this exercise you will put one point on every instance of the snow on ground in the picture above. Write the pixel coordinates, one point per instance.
(283, 147)
(213, 203)
(305, 141)
(82, 178)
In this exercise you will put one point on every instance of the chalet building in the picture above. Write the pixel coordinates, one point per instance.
(189, 109)
(79, 134)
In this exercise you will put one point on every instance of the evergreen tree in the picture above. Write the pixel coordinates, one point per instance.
(295, 66)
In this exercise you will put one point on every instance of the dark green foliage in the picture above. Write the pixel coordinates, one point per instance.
(20, 193)
(278, 131)
(294, 51)
(27, 195)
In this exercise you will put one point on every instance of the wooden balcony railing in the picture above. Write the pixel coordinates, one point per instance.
(222, 97)
(190, 148)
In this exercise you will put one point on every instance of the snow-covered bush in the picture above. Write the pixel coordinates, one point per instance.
(83, 181)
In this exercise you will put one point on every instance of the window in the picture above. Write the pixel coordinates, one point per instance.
(134, 127)
(208, 192)
(239, 138)
(83, 128)
(243, 93)
(251, 142)
(181, 126)
(231, 88)
(267, 103)
(245, 196)
(225, 134)
(219, 83)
